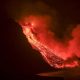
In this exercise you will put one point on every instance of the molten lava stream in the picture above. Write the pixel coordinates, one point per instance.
(36, 30)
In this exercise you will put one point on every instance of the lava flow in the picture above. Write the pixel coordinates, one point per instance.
(55, 52)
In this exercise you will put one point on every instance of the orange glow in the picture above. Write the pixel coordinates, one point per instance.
(56, 53)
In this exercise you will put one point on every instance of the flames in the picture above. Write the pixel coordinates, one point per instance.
(54, 52)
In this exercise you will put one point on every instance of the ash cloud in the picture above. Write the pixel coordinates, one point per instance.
(20, 9)
(59, 25)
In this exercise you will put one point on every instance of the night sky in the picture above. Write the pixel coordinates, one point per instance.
(18, 59)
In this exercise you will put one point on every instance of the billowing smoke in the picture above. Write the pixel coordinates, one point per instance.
(43, 27)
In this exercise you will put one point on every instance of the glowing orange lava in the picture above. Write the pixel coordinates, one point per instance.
(56, 53)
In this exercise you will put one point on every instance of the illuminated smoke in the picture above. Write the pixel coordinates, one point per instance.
(36, 21)
(55, 52)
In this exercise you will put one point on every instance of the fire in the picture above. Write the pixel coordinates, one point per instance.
(56, 53)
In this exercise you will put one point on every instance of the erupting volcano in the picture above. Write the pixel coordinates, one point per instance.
(57, 53)
(41, 26)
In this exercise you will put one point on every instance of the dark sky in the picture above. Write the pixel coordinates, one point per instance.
(18, 59)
